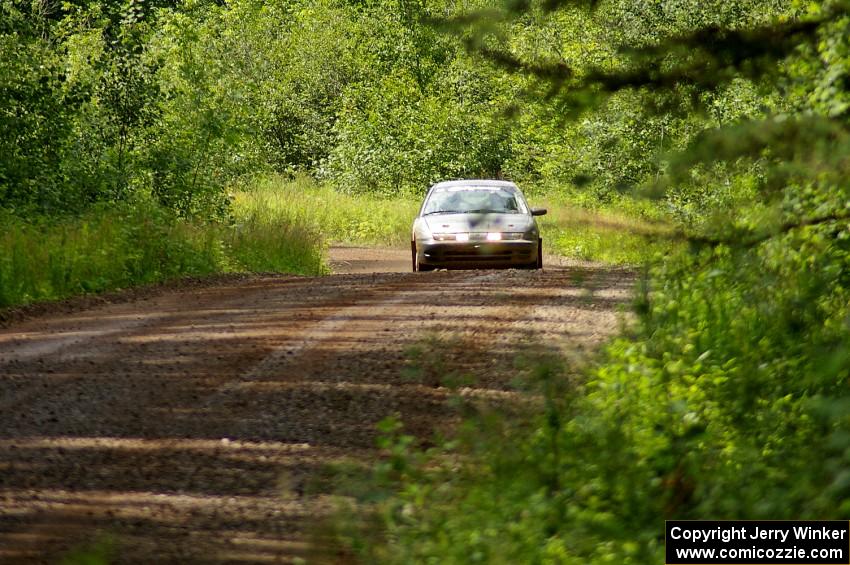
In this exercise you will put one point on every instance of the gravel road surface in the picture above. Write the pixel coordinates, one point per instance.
(193, 424)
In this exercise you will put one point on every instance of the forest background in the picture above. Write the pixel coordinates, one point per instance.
(706, 141)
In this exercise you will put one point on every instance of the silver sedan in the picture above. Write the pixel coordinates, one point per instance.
(473, 224)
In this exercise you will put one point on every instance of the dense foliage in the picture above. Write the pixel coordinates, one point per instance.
(106, 100)
(730, 115)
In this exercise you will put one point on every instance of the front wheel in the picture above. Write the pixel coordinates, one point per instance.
(413, 256)
(539, 253)
(417, 266)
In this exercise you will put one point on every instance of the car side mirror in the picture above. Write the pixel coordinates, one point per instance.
(538, 211)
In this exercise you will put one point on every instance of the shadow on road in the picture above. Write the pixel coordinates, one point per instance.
(185, 426)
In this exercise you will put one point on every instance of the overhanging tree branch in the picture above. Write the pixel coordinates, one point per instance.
(754, 240)
(710, 56)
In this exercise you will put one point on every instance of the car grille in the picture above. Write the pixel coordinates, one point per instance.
(474, 255)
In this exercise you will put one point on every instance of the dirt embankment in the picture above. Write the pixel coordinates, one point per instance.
(188, 424)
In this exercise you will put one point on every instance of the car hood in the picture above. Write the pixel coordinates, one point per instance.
(488, 222)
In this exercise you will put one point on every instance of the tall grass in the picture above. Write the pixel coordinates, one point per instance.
(608, 235)
(265, 239)
(339, 217)
(124, 245)
(612, 235)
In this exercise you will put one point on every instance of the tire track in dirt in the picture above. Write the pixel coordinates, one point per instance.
(197, 425)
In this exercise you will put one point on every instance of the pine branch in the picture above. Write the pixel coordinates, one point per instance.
(712, 56)
(753, 241)
(555, 73)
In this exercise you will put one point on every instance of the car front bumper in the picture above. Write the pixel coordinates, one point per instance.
(477, 255)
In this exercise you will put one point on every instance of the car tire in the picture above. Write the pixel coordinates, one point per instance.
(417, 266)
(413, 256)
(539, 264)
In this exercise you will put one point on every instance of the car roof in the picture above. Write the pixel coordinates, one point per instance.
(475, 182)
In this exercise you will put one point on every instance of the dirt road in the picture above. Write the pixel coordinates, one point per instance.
(195, 424)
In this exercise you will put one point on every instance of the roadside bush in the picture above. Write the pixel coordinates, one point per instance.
(608, 233)
(120, 246)
(103, 249)
(268, 238)
(343, 218)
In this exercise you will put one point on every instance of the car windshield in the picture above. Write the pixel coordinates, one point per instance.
(473, 199)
